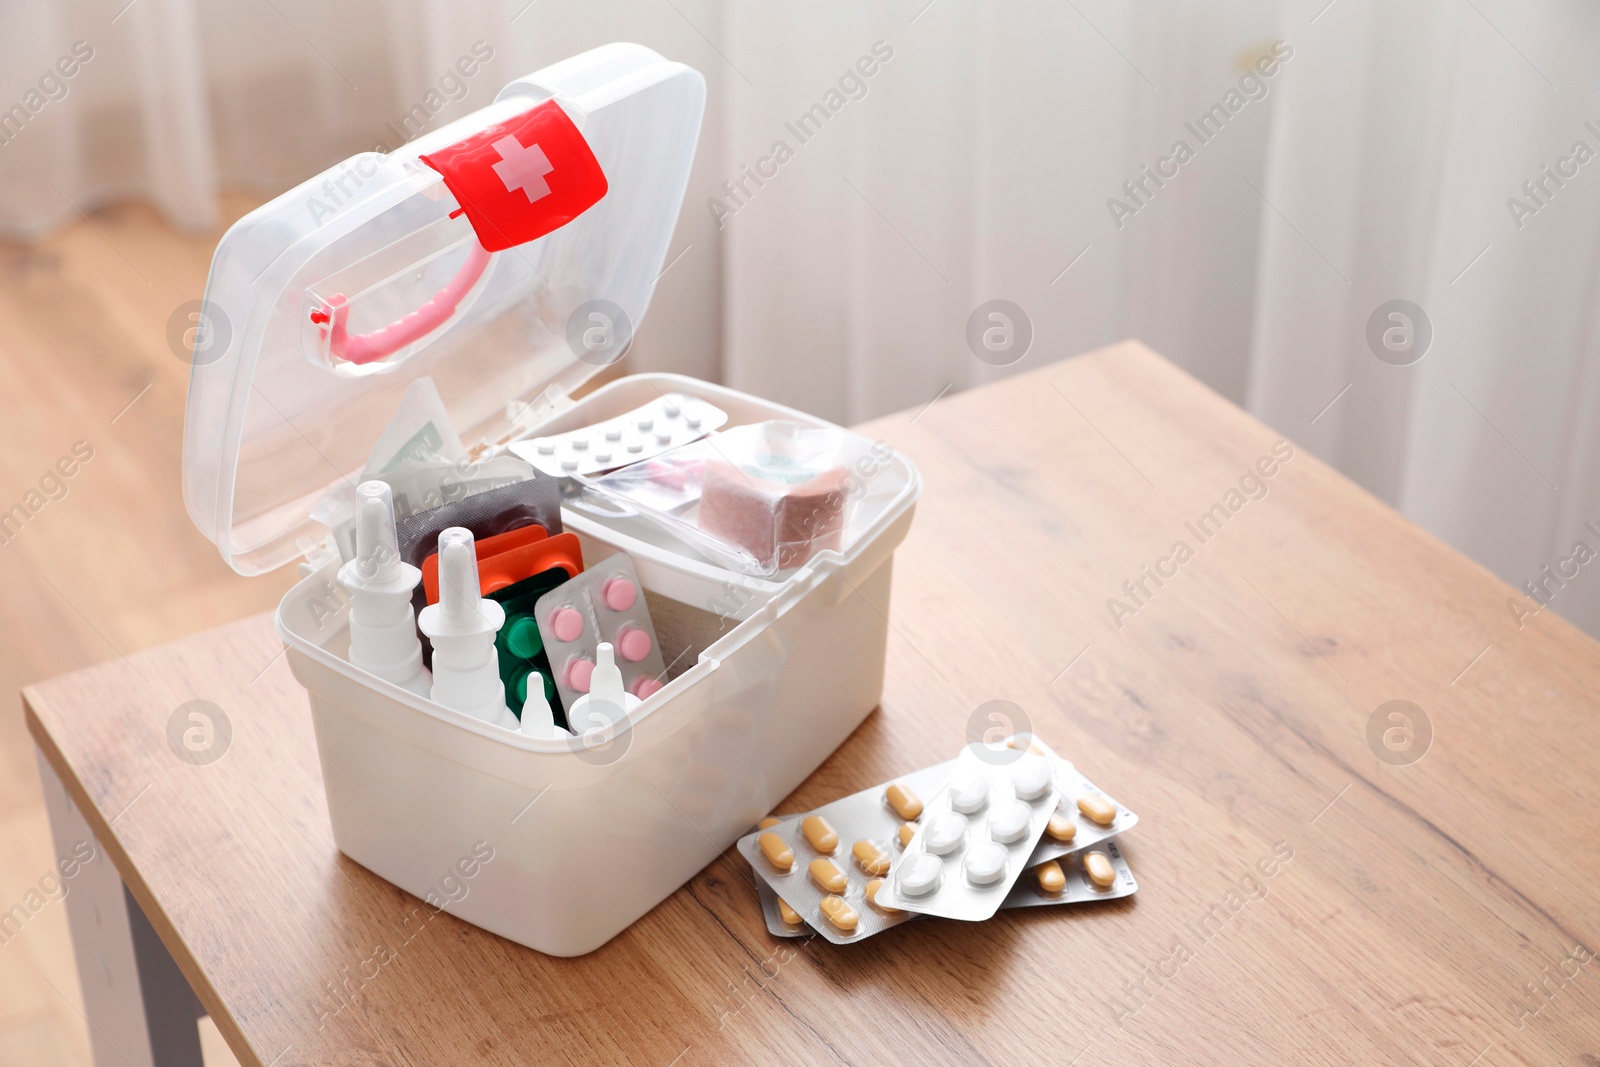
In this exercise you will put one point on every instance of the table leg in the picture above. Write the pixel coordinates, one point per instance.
(140, 1009)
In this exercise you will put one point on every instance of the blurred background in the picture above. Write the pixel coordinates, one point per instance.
(1378, 236)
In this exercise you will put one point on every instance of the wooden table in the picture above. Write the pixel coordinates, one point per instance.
(1300, 898)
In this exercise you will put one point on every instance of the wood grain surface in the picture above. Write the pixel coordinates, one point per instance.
(1440, 911)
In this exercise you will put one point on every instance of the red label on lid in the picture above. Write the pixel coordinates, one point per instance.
(519, 179)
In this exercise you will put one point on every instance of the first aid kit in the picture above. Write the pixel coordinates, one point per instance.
(479, 277)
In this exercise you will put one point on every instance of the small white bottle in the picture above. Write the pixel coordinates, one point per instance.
(383, 629)
(537, 718)
(606, 701)
(462, 625)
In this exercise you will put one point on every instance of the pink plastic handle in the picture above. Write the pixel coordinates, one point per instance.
(387, 340)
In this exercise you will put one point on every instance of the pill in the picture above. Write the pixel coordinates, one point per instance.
(522, 637)
(1061, 827)
(1052, 879)
(566, 624)
(579, 672)
(1008, 821)
(776, 850)
(547, 448)
(1099, 869)
(569, 464)
(644, 687)
(969, 791)
(579, 444)
(985, 863)
(619, 594)
(871, 893)
(663, 436)
(870, 857)
(635, 446)
(788, 914)
(692, 420)
(602, 455)
(1032, 777)
(646, 422)
(1098, 808)
(945, 833)
(633, 643)
(821, 836)
(839, 913)
(920, 876)
(768, 823)
(672, 404)
(828, 874)
(613, 434)
(905, 834)
(905, 803)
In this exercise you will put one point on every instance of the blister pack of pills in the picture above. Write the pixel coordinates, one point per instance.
(828, 865)
(1099, 872)
(657, 427)
(976, 836)
(604, 603)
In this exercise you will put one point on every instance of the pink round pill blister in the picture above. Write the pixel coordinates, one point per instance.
(580, 672)
(633, 643)
(619, 594)
(566, 624)
(644, 687)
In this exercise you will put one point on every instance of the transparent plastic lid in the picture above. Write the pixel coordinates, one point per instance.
(284, 404)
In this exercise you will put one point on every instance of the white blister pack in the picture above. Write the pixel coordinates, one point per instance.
(1075, 878)
(836, 853)
(645, 432)
(976, 836)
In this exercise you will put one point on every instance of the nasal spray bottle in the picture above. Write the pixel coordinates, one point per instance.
(383, 630)
(462, 625)
(606, 701)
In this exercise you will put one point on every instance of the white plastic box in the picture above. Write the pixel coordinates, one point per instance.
(770, 675)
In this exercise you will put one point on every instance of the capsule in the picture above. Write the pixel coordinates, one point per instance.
(905, 834)
(828, 875)
(1098, 808)
(819, 834)
(839, 913)
(1099, 869)
(768, 823)
(1061, 827)
(788, 914)
(1052, 879)
(776, 850)
(905, 803)
(872, 897)
(870, 857)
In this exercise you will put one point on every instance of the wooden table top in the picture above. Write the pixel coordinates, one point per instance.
(1439, 910)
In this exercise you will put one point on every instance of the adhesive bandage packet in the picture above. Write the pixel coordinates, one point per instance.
(829, 865)
(1064, 880)
(976, 837)
(604, 604)
(659, 426)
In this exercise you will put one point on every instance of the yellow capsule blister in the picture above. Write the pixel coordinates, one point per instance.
(776, 850)
(905, 834)
(828, 875)
(819, 834)
(871, 894)
(905, 803)
(1052, 879)
(789, 915)
(768, 823)
(1061, 827)
(1098, 808)
(870, 857)
(839, 912)
(1098, 867)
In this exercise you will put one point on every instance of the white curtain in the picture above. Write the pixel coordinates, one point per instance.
(961, 151)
